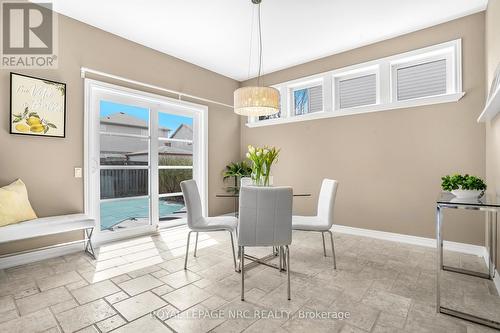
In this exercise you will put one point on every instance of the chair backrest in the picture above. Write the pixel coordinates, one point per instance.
(193, 201)
(245, 181)
(265, 216)
(326, 200)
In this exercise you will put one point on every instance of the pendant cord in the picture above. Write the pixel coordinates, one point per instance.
(260, 46)
(251, 44)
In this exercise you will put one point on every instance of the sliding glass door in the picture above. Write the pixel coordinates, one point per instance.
(139, 148)
(124, 141)
(175, 162)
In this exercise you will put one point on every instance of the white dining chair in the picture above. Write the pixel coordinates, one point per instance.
(323, 221)
(265, 220)
(198, 223)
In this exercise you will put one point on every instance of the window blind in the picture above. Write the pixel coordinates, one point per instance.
(357, 91)
(427, 79)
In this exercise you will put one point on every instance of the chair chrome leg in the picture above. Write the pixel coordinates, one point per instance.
(333, 250)
(187, 251)
(281, 258)
(285, 262)
(287, 250)
(196, 244)
(242, 251)
(239, 259)
(324, 247)
(232, 249)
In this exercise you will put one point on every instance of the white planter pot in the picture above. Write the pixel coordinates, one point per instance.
(466, 194)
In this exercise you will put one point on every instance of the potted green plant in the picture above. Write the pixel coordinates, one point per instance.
(236, 170)
(463, 186)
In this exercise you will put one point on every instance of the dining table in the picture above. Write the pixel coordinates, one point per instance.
(254, 261)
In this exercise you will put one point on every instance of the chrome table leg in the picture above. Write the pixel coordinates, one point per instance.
(439, 248)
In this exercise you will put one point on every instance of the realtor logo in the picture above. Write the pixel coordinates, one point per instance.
(28, 35)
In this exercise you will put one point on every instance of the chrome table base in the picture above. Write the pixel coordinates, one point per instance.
(491, 239)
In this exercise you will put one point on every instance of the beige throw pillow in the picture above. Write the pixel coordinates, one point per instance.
(14, 204)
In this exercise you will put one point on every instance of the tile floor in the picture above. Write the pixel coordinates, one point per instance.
(140, 285)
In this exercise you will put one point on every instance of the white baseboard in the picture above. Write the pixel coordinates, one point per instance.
(26, 258)
(408, 239)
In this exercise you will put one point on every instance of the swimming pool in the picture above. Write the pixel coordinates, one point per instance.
(115, 212)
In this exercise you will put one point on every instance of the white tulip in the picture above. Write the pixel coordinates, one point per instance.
(258, 153)
(248, 155)
(266, 151)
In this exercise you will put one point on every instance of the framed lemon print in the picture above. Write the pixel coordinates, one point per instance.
(37, 106)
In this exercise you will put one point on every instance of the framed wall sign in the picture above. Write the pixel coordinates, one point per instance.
(37, 106)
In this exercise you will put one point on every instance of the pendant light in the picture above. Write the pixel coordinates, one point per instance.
(257, 100)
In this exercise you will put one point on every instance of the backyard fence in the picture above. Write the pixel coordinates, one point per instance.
(124, 183)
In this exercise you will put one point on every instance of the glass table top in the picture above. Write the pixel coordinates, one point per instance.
(233, 193)
(486, 200)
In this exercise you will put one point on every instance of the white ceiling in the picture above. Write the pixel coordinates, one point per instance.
(216, 34)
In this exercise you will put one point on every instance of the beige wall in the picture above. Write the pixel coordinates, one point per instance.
(389, 163)
(493, 127)
(46, 164)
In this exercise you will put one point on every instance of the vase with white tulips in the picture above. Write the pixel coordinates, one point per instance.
(262, 160)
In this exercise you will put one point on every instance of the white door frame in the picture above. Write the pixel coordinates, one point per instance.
(94, 91)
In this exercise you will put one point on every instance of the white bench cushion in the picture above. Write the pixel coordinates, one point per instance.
(45, 226)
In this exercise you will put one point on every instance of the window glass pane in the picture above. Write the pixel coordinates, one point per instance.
(124, 183)
(119, 214)
(172, 208)
(357, 91)
(175, 126)
(308, 100)
(175, 153)
(123, 119)
(301, 101)
(428, 79)
(272, 116)
(170, 180)
(121, 150)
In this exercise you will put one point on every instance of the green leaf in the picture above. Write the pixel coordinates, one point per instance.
(51, 125)
(46, 129)
(16, 120)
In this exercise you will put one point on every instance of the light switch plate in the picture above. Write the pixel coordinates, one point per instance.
(78, 172)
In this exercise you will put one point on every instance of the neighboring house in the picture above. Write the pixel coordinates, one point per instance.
(175, 149)
(183, 132)
(114, 149)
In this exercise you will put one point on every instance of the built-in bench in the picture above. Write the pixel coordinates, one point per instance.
(49, 226)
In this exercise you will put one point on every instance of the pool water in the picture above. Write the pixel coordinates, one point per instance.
(115, 212)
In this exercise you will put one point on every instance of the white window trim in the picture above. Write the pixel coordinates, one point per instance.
(95, 88)
(384, 68)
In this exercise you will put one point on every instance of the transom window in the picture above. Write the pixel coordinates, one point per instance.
(425, 76)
